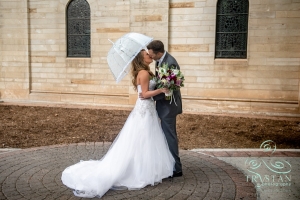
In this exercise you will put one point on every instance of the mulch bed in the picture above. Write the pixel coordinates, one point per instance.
(33, 126)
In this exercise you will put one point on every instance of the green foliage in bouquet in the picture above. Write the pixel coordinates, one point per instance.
(169, 77)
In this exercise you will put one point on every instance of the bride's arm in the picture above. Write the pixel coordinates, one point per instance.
(143, 80)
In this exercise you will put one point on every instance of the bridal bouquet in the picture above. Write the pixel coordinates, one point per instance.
(170, 78)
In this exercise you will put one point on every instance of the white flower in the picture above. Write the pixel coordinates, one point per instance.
(162, 71)
(164, 80)
(176, 71)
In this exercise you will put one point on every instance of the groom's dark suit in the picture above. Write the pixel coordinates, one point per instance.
(167, 113)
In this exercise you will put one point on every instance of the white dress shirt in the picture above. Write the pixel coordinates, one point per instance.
(161, 59)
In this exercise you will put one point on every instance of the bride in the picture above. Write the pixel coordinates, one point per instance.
(139, 156)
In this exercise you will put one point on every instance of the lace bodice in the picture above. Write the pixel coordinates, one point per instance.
(145, 105)
(152, 84)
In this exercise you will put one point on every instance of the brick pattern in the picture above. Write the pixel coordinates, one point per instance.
(35, 174)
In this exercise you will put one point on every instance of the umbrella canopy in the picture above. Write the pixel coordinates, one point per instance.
(124, 51)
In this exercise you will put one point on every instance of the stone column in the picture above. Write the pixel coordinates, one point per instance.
(14, 51)
(149, 17)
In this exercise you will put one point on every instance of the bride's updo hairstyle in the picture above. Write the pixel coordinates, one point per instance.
(137, 65)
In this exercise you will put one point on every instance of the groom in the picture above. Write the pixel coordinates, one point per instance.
(167, 112)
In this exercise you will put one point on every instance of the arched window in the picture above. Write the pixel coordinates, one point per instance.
(232, 29)
(78, 29)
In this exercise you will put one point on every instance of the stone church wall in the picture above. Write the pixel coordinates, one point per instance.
(34, 66)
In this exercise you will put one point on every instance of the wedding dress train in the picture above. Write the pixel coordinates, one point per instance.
(139, 156)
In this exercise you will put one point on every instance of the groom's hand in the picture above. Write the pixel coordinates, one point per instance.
(141, 96)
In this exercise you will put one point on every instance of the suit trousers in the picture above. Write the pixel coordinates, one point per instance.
(169, 128)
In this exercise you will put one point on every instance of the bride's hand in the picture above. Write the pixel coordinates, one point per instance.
(165, 90)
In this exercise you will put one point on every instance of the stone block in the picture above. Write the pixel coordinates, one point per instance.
(178, 41)
(288, 14)
(184, 23)
(205, 79)
(198, 105)
(240, 62)
(202, 54)
(43, 59)
(44, 87)
(272, 74)
(111, 100)
(199, 73)
(283, 61)
(271, 87)
(13, 58)
(15, 75)
(206, 60)
(186, 11)
(17, 69)
(279, 68)
(15, 94)
(144, 18)
(190, 60)
(276, 81)
(77, 98)
(206, 34)
(270, 14)
(15, 86)
(32, 10)
(45, 97)
(188, 47)
(14, 49)
(111, 30)
(189, 28)
(257, 61)
(210, 10)
(182, 5)
(183, 34)
(273, 107)
(236, 80)
(82, 81)
(234, 106)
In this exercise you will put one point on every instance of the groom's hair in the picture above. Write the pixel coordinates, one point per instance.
(156, 46)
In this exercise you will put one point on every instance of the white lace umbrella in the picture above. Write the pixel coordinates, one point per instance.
(124, 51)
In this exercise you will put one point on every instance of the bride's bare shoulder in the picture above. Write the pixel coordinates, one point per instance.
(142, 77)
(143, 73)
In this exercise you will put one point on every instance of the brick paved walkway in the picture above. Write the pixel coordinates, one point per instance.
(248, 153)
(35, 174)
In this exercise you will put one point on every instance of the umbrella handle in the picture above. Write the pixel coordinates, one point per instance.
(111, 41)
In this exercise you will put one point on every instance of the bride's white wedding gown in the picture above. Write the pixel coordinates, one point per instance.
(139, 156)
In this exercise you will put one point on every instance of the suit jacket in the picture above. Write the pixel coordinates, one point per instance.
(163, 107)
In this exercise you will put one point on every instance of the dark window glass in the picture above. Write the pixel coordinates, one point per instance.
(78, 29)
(232, 29)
